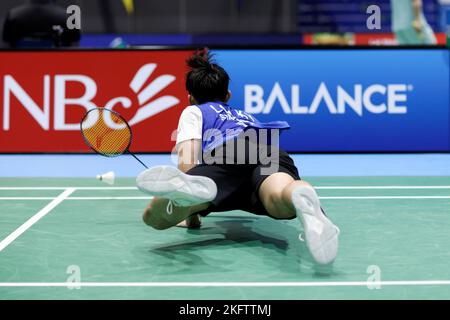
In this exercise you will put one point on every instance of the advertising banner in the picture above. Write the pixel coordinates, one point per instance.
(359, 39)
(45, 94)
(346, 100)
(334, 100)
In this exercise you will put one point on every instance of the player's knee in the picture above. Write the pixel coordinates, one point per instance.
(150, 219)
(274, 197)
(159, 225)
(146, 217)
(286, 193)
(154, 223)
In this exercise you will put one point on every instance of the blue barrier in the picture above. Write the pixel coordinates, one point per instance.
(347, 100)
(107, 40)
(310, 165)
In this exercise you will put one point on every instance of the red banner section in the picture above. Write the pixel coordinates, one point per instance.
(45, 94)
(386, 39)
(359, 39)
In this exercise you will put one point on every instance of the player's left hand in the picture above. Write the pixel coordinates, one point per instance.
(193, 222)
(417, 25)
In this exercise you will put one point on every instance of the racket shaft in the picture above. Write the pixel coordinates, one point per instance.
(138, 159)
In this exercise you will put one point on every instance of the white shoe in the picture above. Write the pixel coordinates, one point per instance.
(170, 183)
(321, 234)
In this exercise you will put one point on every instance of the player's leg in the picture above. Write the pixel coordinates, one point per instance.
(177, 195)
(204, 188)
(163, 213)
(284, 198)
(274, 182)
(406, 36)
(429, 36)
(284, 195)
(191, 222)
(274, 194)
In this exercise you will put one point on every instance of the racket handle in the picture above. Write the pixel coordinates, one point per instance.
(138, 160)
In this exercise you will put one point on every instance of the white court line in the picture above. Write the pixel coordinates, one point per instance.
(24, 227)
(149, 197)
(109, 198)
(383, 197)
(315, 187)
(230, 284)
(75, 198)
(378, 187)
(27, 198)
(322, 198)
(63, 188)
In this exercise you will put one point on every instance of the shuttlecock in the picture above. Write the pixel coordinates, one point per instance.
(107, 177)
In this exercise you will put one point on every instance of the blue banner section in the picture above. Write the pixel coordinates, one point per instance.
(199, 40)
(124, 40)
(346, 100)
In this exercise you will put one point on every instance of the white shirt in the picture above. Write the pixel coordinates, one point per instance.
(190, 124)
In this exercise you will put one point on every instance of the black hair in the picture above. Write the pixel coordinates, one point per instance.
(206, 81)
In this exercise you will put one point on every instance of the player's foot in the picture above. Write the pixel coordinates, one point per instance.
(170, 183)
(321, 234)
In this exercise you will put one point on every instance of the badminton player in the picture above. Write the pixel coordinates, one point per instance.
(225, 164)
(409, 23)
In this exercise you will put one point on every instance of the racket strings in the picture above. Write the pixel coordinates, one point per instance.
(106, 139)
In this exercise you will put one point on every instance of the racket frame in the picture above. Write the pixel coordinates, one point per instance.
(127, 148)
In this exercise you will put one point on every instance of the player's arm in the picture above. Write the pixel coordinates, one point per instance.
(189, 138)
(417, 8)
(189, 148)
(188, 154)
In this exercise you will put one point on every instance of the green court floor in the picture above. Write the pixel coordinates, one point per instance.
(59, 233)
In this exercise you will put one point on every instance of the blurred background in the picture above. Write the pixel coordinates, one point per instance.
(370, 125)
(117, 23)
(341, 99)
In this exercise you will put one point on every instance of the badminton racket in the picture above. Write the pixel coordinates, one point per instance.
(107, 133)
